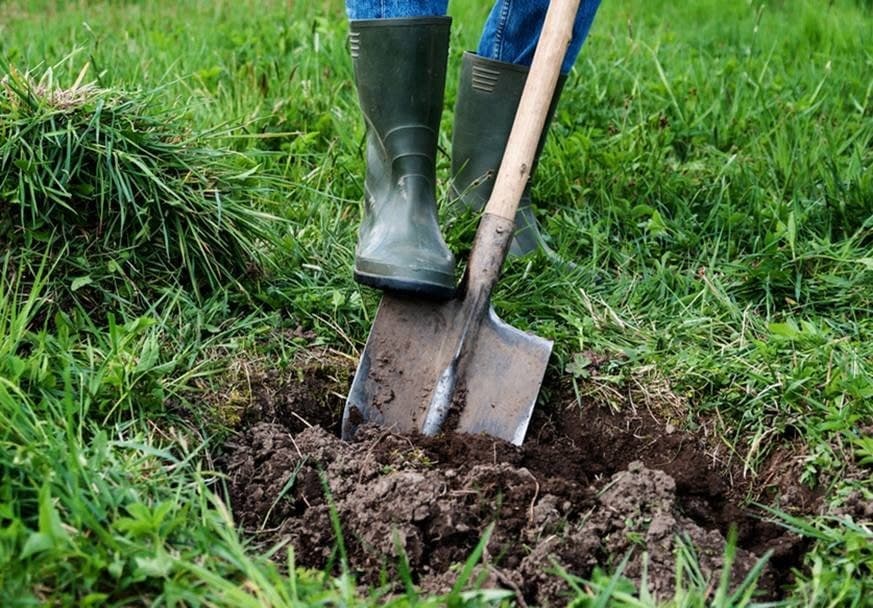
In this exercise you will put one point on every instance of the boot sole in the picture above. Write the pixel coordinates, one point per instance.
(431, 291)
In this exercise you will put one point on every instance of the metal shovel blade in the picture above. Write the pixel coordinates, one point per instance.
(413, 348)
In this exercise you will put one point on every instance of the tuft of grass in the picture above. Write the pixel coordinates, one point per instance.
(692, 588)
(839, 569)
(122, 194)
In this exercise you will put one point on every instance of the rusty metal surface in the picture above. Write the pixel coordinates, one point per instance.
(455, 365)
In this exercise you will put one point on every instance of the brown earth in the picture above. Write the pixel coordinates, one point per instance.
(589, 487)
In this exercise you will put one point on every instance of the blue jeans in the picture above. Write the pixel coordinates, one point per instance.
(511, 31)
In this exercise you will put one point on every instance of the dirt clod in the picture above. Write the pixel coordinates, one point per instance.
(575, 495)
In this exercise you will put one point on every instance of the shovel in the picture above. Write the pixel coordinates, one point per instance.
(433, 365)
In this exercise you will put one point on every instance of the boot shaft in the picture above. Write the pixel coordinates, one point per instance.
(488, 96)
(400, 74)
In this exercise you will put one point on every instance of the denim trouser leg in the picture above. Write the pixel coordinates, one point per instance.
(392, 9)
(513, 29)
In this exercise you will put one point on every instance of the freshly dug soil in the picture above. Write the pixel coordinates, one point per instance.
(588, 488)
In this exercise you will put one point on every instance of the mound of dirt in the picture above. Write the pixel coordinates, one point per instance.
(575, 495)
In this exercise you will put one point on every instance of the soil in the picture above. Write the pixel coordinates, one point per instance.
(588, 488)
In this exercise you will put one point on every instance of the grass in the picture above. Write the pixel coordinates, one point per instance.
(124, 196)
(709, 173)
(692, 587)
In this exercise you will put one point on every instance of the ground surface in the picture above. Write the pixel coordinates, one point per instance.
(588, 487)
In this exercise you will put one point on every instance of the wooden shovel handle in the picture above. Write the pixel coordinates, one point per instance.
(531, 115)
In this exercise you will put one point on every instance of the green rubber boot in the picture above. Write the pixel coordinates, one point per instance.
(400, 73)
(488, 96)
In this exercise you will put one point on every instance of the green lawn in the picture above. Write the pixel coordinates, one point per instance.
(709, 172)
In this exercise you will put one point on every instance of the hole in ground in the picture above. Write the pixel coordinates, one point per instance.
(588, 486)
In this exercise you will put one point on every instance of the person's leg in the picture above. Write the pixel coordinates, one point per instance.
(513, 28)
(400, 72)
(392, 9)
(488, 95)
